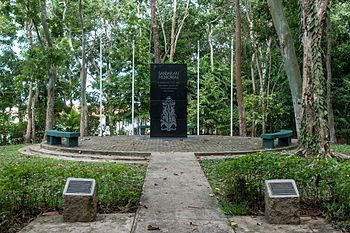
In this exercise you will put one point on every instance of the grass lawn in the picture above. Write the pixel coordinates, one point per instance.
(29, 186)
(324, 186)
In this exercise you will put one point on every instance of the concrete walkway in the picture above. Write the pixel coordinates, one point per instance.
(177, 198)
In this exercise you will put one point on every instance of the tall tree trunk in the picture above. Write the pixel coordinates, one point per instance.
(164, 38)
(109, 115)
(68, 34)
(182, 22)
(175, 31)
(155, 30)
(52, 73)
(254, 60)
(83, 103)
(35, 100)
(314, 136)
(210, 41)
(332, 138)
(29, 110)
(289, 57)
(254, 94)
(239, 87)
(67, 31)
(29, 113)
(109, 94)
(261, 71)
(172, 34)
(264, 68)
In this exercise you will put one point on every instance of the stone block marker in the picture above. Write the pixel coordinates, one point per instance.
(79, 200)
(282, 202)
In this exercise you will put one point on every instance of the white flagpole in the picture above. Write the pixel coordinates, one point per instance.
(101, 130)
(231, 115)
(133, 88)
(198, 90)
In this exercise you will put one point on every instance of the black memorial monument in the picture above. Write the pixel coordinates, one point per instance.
(168, 100)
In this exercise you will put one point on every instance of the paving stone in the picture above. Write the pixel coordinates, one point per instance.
(105, 223)
(190, 144)
(258, 224)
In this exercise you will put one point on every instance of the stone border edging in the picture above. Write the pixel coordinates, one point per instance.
(100, 152)
(147, 154)
(36, 151)
(228, 153)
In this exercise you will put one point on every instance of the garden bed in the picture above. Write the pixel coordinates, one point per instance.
(324, 186)
(30, 186)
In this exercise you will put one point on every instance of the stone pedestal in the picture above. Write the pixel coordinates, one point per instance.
(282, 202)
(79, 200)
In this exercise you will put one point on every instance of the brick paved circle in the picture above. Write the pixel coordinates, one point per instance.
(137, 149)
(190, 144)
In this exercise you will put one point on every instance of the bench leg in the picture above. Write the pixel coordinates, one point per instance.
(71, 142)
(269, 143)
(54, 140)
(284, 141)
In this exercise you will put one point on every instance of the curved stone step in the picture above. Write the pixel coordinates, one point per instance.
(91, 156)
(78, 150)
(36, 150)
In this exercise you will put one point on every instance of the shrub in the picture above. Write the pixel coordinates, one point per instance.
(10, 132)
(68, 121)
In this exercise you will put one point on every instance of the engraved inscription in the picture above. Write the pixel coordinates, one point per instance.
(169, 75)
(168, 87)
(168, 117)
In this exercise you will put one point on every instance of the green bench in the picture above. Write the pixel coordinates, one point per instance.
(54, 137)
(191, 129)
(143, 128)
(284, 138)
